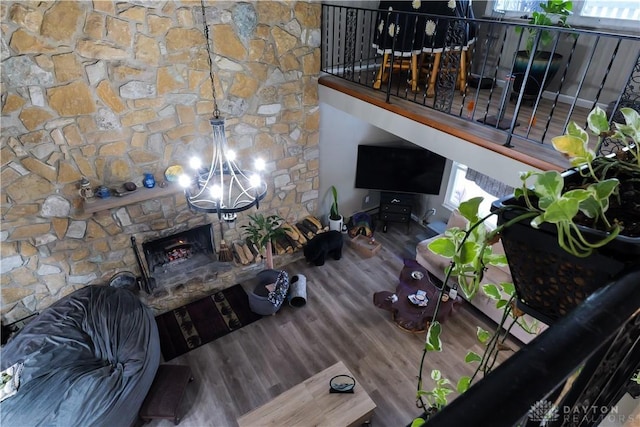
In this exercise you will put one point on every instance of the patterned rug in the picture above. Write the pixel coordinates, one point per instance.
(190, 326)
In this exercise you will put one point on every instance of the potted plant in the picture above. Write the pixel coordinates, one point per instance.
(335, 219)
(590, 211)
(262, 230)
(588, 217)
(544, 65)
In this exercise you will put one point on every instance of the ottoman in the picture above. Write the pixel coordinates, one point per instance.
(166, 393)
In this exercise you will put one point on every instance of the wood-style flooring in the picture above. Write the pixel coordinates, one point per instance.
(248, 367)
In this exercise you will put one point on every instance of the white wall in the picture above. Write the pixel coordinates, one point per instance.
(340, 135)
(346, 121)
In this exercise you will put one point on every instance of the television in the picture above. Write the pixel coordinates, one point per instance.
(399, 169)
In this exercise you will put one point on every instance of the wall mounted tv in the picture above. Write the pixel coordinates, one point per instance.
(399, 169)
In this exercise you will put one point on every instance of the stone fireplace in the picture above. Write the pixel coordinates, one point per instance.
(174, 259)
(110, 90)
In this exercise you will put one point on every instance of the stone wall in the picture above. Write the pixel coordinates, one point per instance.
(110, 90)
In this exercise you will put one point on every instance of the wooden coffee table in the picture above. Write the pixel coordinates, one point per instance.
(310, 404)
(408, 316)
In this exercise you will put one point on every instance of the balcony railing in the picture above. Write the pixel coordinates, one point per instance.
(573, 374)
(479, 70)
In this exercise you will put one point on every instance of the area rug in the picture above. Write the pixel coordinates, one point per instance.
(195, 324)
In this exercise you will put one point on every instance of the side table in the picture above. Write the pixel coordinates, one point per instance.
(405, 314)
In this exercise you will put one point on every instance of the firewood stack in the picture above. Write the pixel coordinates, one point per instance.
(245, 252)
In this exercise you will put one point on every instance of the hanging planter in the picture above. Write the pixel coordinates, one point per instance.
(588, 228)
(549, 281)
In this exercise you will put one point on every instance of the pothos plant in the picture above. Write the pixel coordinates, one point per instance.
(546, 200)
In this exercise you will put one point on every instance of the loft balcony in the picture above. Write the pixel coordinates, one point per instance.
(475, 79)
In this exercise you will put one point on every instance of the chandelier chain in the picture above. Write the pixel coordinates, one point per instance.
(216, 112)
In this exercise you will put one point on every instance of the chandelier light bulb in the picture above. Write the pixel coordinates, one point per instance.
(216, 192)
(195, 163)
(259, 164)
(254, 180)
(184, 180)
(231, 155)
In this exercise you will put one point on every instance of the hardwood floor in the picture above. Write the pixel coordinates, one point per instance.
(248, 367)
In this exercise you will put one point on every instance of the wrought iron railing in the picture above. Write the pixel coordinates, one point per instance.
(573, 374)
(479, 69)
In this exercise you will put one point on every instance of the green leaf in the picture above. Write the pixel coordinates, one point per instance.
(469, 252)
(443, 246)
(463, 384)
(469, 209)
(472, 357)
(483, 336)
(501, 304)
(563, 210)
(574, 130)
(604, 189)
(597, 121)
(597, 203)
(632, 118)
(436, 374)
(574, 145)
(433, 342)
(492, 291)
(418, 422)
(508, 288)
(590, 207)
(496, 259)
(548, 186)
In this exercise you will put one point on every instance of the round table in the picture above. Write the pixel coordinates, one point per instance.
(405, 314)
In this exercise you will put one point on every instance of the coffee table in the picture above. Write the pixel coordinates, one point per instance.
(407, 315)
(310, 404)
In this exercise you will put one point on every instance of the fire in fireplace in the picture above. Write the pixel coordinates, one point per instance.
(179, 253)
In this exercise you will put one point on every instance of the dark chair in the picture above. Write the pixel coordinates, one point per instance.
(397, 38)
(414, 39)
(452, 37)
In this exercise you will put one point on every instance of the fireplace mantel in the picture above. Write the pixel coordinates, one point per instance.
(140, 195)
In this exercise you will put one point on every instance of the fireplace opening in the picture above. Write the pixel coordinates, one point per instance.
(180, 253)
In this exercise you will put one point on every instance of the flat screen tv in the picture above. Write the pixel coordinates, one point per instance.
(399, 169)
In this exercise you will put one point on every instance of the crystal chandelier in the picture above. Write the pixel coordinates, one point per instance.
(221, 187)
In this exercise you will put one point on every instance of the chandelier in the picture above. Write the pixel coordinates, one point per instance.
(221, 187)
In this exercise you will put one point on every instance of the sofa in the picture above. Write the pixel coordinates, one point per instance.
(88, 359)
(437, 264)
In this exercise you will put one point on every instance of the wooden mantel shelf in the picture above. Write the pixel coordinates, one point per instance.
(140, 195)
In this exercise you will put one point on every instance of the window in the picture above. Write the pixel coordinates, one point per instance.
(611, 14)
(462, 187)
(611, 9)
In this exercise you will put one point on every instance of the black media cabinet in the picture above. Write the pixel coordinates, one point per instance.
(395, 207)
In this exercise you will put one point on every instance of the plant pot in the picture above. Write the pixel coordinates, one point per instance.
(549, 281)
(336, 224)
(536, 81)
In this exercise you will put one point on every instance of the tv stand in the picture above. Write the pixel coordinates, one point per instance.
(395, 207)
